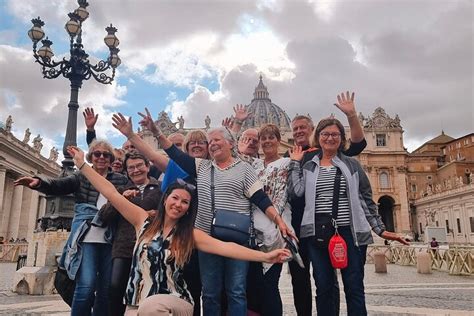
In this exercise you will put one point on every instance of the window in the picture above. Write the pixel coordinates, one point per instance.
(413, 188)
(429, 178)
(447, 227)
(437, 224)
(458, 224)
(383, 179)
(380, 140)
(471, 220)
(421, 228)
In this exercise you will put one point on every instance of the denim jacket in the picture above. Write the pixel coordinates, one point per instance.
(85, 215)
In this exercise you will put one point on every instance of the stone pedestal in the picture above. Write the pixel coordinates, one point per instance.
(379, 262)
(37, 276)
(423, 263)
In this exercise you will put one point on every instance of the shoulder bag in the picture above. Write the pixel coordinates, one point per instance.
(229, 225)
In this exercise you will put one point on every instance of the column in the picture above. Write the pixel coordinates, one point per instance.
(33, 214)
(7, 202)
(15, 211)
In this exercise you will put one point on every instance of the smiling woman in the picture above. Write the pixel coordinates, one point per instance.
(144, 192)
(164, 245)
(236, 188)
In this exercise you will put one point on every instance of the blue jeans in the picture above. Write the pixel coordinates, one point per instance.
(220, 272)
(93, 280)
(352, 277)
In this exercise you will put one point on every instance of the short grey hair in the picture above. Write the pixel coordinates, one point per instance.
(228, 136)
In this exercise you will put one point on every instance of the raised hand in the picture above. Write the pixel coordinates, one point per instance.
(345, 103)
(241, 113)
(277, 256)
(123, 125)
(228, 122)
(147, 122)
(296, 153)
(27, 182)
(393, 236)
(90, 118)
(77, 155)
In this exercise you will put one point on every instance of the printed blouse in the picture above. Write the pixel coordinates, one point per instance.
(153, 271)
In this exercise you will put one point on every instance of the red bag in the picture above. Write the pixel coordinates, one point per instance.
(338, 252)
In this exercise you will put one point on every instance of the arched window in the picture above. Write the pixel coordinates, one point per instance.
(383, 180)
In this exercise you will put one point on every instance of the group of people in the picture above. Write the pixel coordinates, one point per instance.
(141, 243)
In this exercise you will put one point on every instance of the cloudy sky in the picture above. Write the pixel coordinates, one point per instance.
(196, 57)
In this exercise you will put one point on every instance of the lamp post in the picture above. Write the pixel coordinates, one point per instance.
(77, 69)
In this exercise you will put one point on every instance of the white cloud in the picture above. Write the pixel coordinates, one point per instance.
(414, 58)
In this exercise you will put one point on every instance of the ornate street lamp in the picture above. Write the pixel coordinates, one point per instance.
(77, 68)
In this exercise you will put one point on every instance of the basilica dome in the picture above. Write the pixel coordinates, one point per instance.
(265, 112)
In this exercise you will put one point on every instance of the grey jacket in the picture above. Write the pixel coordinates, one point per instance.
(364, 215)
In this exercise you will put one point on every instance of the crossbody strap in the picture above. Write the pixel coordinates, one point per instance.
(213, 205)
(335, 196)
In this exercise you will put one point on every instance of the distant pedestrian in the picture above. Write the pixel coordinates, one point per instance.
(434, 244)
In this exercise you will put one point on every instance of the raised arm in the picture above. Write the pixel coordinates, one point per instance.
(208, 244)
(345, 103)
(125, 127)
(296, 183)
(134, 214)
(90, 119)
(240, 115)
(186, 162)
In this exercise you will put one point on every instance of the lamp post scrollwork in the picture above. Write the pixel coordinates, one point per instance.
(77, 69)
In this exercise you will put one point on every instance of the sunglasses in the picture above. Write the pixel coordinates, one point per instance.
(188, 186)
(105, 154)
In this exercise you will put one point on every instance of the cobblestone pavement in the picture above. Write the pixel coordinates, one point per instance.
(402, 291)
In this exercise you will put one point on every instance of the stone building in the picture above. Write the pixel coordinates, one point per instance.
(440, 178)
(20, 207)
(384, 160)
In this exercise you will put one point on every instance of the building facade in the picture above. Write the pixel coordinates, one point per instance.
(20, 207)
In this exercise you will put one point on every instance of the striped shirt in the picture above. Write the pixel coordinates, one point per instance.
(234, 185)
(324, 195)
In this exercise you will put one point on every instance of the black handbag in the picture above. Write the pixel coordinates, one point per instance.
(229, 225)
(64, 285)
(324, 224)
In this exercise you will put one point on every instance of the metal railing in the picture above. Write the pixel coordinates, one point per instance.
(456, 260)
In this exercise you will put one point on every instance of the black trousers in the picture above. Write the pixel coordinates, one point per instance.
(193, 281)
(118, 285)
(301, 282)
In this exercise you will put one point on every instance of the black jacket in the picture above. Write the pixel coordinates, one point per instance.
(77, 184)
(125, 235)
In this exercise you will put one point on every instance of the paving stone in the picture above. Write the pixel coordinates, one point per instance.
(401, 291)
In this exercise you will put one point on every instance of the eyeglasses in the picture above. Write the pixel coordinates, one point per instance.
(137, 166)
(188, 186)
(325, 135)
(105, 154)
(198, 142)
